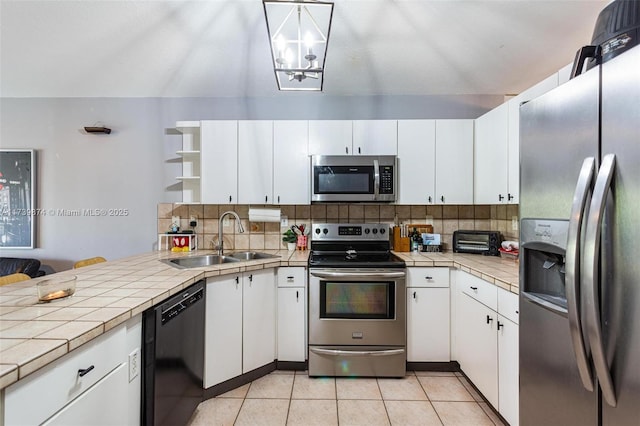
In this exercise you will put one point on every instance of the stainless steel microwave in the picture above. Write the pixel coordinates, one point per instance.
(353, 178)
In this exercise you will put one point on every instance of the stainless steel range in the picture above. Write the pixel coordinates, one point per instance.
(357, 307)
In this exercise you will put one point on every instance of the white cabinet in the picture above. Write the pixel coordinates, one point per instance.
(291, 162)
(490, 157)
(58, 395)
(330, 137)
(255, 162)
(239, 324)
(454, 162)
(435, 161)
(486, 333)
(292, 314)
(375, 137)
(219, 161)
(428, 315)
(190, 153)
(223, 329)
(258, 319)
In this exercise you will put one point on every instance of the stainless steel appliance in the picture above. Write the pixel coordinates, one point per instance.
(580, 236)
(477, 242)
(173, 354)
(353, 178)
(357, 306)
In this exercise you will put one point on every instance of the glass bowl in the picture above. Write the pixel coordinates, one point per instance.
(56, 288)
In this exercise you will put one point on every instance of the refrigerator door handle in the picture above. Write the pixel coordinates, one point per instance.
(591, 276)
(572, 268)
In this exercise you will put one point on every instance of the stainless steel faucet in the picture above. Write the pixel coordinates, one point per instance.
(220, 232)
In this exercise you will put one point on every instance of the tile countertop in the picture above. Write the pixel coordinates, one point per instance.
(33, 334)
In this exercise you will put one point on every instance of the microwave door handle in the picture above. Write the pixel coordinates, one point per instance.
(590, 274)
(376, 179)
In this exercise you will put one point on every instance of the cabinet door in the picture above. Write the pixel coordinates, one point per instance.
(508, 370)
(291, 324)
(223, 330)
(219, 161)
(375, 137)
(490, 157)
(428, 328)
(454, 161)
(291, 162)
(477, 346)
(90, 407)
(330, 137)
(258, 319)
(255, 162)
(416, 161)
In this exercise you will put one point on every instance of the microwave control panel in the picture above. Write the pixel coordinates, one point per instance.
(386, 179)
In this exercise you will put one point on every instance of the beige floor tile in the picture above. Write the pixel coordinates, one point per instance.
(489, 412)
(272, 386)
(318, 412)
(305, 387)
(365, 413)
(405, 389)
(216, 411)
(407, 413)
(474, 393)
(271, 412)
(240, 392)
(357, 388)
(435, 373)
(461, 414)
(445, 389)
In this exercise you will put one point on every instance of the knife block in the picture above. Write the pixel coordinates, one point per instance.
(400, 243)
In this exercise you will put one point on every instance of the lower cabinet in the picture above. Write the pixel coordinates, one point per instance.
(292, 314)
(58, 395)
(428, 315)
(240, 324)
(487, 341)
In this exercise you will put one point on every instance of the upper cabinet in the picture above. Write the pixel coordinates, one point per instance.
(255, 162)
(490, 157)
(359, 137)
(435, 161)
(219, 158)
(375, 137)
(291, 162)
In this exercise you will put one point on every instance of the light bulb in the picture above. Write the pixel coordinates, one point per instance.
(281, 44)
(308, 41)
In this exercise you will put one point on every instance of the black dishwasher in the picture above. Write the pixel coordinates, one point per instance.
(173, 353)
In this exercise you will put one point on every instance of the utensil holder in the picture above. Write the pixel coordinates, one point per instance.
(301, 244)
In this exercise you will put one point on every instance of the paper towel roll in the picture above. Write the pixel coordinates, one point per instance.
(264, 215)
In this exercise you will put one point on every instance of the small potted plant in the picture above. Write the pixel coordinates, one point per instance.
(290, 238)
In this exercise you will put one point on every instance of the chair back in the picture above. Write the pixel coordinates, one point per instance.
(14, 278)
(90, 261)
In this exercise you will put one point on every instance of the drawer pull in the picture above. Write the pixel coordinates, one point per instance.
(84, 371)
(474, 288)
(290, 278)
(297, 295)
(428, 278)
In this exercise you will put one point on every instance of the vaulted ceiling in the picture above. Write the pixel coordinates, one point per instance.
(220, 48)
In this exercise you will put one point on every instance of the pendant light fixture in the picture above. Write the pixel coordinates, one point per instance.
(298, 34)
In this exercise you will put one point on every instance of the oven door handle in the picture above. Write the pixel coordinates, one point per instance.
(338, 352)
(359, 274)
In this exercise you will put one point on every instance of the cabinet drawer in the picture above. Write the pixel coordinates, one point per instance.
(40, 395)
(427, 277)
(292, 277)
(508, 305)
(480, 290)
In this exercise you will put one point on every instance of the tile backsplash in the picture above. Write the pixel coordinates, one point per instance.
(268, 235)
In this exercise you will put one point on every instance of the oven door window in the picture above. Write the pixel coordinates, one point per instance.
(357, 300)
(343, 180)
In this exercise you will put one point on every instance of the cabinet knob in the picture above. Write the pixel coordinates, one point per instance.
(500, 197)
(414, 294)
(346, 149)
(229, 198)
(266, 197)
(84, 371)
(278, 199)
(251, 278)
(500, 325)
(429, 199)
(489, 319)
(297, 295)
(359, 150)
(510, 197)
(442, 198)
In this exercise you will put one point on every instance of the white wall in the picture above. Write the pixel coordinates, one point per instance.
(135, 166)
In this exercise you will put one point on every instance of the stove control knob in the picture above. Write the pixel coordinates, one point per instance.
(382, 231)
(375, 231)
(325, 231)
(366, 231)
(317, 231)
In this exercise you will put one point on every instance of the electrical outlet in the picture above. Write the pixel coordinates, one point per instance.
(193, 222)
(134, 364)
(284, 222)
(514, 223)
(175, 220)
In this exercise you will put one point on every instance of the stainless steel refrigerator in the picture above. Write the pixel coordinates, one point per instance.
(580, 250)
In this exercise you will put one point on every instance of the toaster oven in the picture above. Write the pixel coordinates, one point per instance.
(479, 242)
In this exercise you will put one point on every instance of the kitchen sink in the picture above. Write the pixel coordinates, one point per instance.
(199, 261)
(251, 255)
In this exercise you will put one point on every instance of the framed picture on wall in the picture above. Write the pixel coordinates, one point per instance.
(17, 198)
